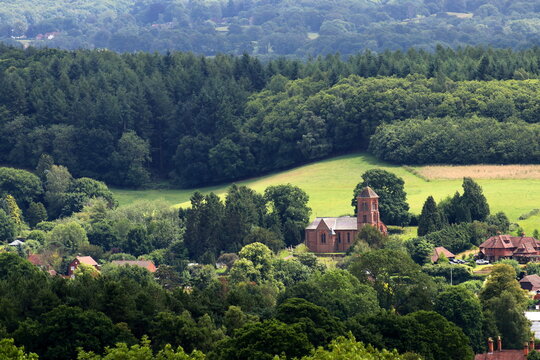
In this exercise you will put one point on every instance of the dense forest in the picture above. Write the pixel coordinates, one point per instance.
(127, 119)
(270, 28)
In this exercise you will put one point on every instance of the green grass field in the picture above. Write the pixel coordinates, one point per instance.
(330, 184)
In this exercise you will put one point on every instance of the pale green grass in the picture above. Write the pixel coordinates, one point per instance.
(330, 183)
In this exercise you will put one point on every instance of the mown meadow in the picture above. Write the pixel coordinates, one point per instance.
(330, 184)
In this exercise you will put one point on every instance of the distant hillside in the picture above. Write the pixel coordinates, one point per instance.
(269, 28)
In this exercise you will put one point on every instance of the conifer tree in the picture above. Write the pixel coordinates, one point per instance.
(474, 199)
(430, 219)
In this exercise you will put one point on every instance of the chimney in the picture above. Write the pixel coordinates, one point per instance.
(490, 346)
(531, 344)
(499, 343)
(526, 349)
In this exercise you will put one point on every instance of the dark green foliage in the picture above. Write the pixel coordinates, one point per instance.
(138, 241)
(89, 330)
(203, 227)
(424, 332)
(393, 205)
(244, 209)
(8, 228)
(24, 186)
(456, 237)
(129, 118)
(474, 199)
(316, 321)
(288, 204)
(262, 341)
(420, 250)
(338, 291)
(399, 282)
(371, 236)
(130, 161)
(454, 140)
(430, 219)
(182, 330)
(453, 274)
(499, 222)
(35, 214)
(463, 308)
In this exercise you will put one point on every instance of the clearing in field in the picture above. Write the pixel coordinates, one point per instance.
(480, 172)
(330, 184)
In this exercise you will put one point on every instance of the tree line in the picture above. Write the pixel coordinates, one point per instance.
(128, 119)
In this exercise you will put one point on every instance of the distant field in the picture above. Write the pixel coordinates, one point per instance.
(330, 183)
(480, 172)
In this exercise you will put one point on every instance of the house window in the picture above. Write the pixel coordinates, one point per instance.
(72, 268)
(364, 218)
(339, 238)
(349, 238)
(323, 238)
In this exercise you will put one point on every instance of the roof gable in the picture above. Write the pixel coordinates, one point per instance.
(87, 260)
(368, 192)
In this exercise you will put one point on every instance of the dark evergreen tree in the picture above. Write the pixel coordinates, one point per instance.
(36, 213)
(430, 219)
(474, 200)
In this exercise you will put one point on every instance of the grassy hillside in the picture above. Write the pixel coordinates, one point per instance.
(330, 183)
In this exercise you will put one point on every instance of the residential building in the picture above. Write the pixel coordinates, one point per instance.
(520, 248)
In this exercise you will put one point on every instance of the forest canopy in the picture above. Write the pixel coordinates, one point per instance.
(130, 118)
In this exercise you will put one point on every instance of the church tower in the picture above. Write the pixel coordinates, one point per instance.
(367, 209)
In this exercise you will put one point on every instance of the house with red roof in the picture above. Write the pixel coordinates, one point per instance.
(520, 248)
(337, 234)
(41, 262)
(87, 260)
(498, 353)
(530, 282)
(440, 250)
(147, 264)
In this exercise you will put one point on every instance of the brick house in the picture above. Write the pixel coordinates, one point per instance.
(147, 264)
(520, 248)
(87, 260)
(337, 234)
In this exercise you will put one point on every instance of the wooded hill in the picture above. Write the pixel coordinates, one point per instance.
(270, 28)
(195, 120)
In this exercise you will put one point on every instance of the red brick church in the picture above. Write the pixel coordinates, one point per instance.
(337, 234)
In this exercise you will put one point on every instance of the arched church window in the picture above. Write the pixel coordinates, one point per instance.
(323, 238)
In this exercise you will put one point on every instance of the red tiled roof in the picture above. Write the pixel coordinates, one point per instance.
(368, 192)
(36, 259)
(87, 260)
(147, 264)
(533, 279)
(441, 250)
(502, 355)
(522, 244)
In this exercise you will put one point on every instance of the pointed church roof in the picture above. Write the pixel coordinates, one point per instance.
(368, 192)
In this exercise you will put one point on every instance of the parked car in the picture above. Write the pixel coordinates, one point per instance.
(482, 262)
